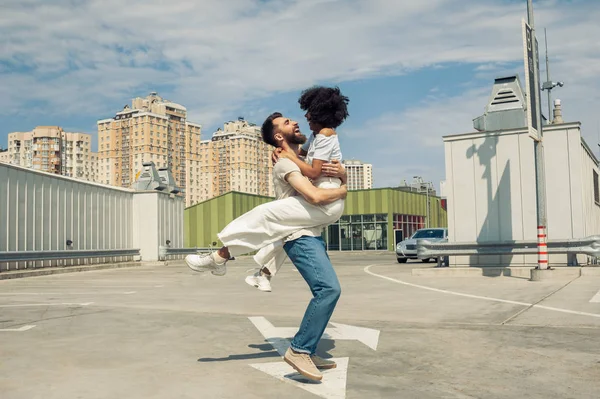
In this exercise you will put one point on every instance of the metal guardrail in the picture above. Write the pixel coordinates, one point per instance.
(164, 252)
(426, 249)
(22, 256)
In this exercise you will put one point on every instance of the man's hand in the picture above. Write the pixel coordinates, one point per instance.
(345, 188)
(335, 169)
(275, 155)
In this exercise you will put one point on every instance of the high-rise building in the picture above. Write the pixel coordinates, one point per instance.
(360, 175)
(235, 159)
(152, 129)
(4, 155)
(51, 149)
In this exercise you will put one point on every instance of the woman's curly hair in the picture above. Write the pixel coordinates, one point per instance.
(327, 106)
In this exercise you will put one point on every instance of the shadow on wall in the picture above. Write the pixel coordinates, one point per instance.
(497, 225)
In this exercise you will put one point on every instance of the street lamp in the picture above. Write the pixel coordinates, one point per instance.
(427, 186)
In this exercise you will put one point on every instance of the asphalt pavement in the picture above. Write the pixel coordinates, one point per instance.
(168, 332)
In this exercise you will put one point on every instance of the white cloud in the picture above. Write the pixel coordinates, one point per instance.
(71, 57)
(409, 143)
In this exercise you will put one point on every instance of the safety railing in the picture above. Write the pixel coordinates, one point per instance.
(589, 246)
(166, 253)
(15, 260)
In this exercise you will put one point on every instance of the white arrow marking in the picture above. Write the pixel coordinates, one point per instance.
(596, 298)
(46, 304)
(23, 328)
(367, 336)
(277, 336)
(333, 385)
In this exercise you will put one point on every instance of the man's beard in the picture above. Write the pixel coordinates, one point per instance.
(297, 139)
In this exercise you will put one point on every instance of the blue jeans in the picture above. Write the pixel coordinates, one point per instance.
(310, 257)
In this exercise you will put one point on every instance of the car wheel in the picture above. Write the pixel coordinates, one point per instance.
(402, 260)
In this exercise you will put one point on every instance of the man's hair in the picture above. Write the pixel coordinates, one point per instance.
(268, 129)
(327, 106)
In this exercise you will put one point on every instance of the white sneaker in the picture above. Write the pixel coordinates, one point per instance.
(203, 263)
(259, 281)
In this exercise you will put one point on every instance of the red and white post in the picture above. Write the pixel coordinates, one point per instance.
(540, 177)
(542, 248)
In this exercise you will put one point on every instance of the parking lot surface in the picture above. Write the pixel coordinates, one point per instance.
(168, 332)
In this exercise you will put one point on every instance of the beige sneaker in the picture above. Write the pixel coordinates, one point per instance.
(302, 363)
(323, 364)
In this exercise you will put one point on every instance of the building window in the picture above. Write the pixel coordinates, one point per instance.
(596, 191)
(357, 233)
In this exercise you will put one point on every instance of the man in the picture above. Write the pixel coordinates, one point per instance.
(306, 249)
(293, 221)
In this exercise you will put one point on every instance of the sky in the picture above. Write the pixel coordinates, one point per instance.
(414, 71)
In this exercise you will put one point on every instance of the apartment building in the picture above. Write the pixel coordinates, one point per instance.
(152, 129)
(360, 175)
(4, 155)
(235, 159)
(51, 149)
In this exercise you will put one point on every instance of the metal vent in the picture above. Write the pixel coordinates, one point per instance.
(506, 107)
(505, 97)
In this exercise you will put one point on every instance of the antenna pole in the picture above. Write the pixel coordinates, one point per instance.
(548, 79)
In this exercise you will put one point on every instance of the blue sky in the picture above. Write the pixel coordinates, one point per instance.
(414, 71)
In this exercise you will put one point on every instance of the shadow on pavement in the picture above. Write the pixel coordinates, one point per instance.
(268, 351)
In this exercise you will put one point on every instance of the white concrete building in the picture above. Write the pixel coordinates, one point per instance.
(360, 175)
(491, 192)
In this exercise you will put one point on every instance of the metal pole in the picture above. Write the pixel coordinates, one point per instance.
(540, 180)
(427, 199)
(548, 78)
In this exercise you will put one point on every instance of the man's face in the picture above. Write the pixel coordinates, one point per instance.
(288, 130)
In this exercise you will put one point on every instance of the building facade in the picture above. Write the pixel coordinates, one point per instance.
(4, 155)
(360, 175)
(152, 129)
(51, 149)
(374, 219)
(491, 183)
(235, 159)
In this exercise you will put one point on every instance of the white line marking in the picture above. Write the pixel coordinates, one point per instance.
(366, 269)
(74, 286)
(45, 304)
(596, 298)
(67, 293)
(20, 329)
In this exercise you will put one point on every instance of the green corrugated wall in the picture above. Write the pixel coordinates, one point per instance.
(203, 221)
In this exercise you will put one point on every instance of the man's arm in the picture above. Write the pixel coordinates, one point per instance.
(315, 195)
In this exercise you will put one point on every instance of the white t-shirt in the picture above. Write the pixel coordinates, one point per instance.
(324, 148)
(283, 189)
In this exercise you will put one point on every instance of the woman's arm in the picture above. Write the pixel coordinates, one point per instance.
(311, 171)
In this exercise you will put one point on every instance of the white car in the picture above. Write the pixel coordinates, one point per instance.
(407, 249)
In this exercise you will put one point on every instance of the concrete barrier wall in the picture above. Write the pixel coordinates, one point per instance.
(41, 211)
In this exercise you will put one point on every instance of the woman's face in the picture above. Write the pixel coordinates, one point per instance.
(315, 127)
